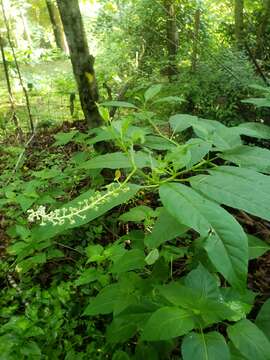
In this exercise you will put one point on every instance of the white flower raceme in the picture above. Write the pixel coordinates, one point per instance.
(70, 214)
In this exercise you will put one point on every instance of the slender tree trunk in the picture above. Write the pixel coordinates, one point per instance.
(239, 22)
(262, 29)
(57, 26)
(197, 19)
(18, 129)
(82, 61)
(172, 37)
(31, 123)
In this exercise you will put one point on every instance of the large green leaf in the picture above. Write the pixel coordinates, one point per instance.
(209, 309)
(235, 354)
(211, 346)
(100, 134)
(138, 214)
(152, 92)
(203, 282)
(167, 323)
(110, 200)
(252, 157)
(249, 340)
(234, 187)
(209, 130)
(120, 331)
(181, 122)
(263, 318)
(225, 240)
(259, 102)
(131, 260)
(118, 160)
(166, 228)
(105, 301)
(253, 129)
(158, 143)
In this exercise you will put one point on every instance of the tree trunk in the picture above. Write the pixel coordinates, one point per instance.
(57, 26)
(18, 129)
(239, 23)
(172, 37)
(82, 61)
(262, 29)
(197, 19)
(31, 122)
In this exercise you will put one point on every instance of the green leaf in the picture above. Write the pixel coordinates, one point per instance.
(110, 161)
(64, 138)
(198, 150)
(100, 134)
(120, 104)
(146, 351)
(209, 310)
(225, 241)
(180, 157)
(119, 160)
(138, 214)
(253, 129)
(30, 349)
(166, 228)
(152, 257)
(182, 122)
(138, 313)
(158, 143)
(249, 340)
(48, 231)
(252, 157)
(104, 113)
(240, 302)
(171, 253)
(209, 130)
(119, 331)
(210, 346)
(235, 354)
(225, 139)
(256, 247)
(88, 276)
(203, 282)
(167, 323)
(30, 263)
(25, 202)
(131, 260)
(104, 302)
(152, 92)
(94, 253)
(234, 187)
(259, 102)
(263, 318)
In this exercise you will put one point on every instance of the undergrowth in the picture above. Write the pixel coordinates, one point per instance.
(140, 252)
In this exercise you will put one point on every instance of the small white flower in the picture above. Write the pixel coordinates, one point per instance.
(70, 214)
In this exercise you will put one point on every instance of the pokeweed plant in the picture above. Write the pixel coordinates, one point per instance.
(150, 311)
